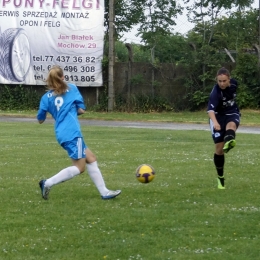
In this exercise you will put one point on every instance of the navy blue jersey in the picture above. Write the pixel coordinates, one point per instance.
(222, 101)
(63, 109)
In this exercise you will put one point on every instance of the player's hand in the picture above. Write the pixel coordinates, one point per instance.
(80, 111)
(217, 127)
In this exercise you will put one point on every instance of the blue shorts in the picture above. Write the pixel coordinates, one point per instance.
(223, 120)
(76, 148)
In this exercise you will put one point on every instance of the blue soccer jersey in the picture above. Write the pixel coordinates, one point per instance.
(63, 109)
(222, 101)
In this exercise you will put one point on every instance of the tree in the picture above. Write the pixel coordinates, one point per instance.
(173, 48)
(155, 21)
(206, 14)
(210, 10)
(127, 14)
(139, 53)
(157, 18)
(237, 32)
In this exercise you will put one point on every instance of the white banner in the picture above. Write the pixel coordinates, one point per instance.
(37, 34)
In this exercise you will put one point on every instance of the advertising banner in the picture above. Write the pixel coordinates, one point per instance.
(37, 34)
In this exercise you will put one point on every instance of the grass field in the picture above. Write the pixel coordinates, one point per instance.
(180, 215)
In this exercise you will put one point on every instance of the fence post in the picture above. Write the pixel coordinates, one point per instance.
(129, 72)
(111, 93)
(257, 49)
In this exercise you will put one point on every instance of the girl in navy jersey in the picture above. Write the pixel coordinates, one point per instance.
(224, 119)
(64, 102)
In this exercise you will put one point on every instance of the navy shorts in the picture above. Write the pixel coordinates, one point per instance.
(76, 148)
(223, 120)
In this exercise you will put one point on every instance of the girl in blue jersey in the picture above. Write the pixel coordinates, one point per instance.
(224, 119)
(64, 102)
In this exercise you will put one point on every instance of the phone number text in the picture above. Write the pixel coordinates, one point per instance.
(64, 58)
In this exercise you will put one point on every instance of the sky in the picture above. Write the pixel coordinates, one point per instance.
(182, 26)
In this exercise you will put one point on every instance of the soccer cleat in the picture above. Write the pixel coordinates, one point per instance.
(220, 186)
(229, 145)
(111, 194)
(45, 190)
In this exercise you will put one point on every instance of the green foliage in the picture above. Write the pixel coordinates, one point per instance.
(199, 10)
(160, 19)
(170, 48)
(198, 99)
(157, 84)
(127, 14)
(137, 79)
(156, 21)
(105, 62)
(237, 32)
(137, 103)
(149, 103)
(198, 86)
(217, 25)
(18, 97)
(102, 101)
(140, 53)
(247, 74)
(245, 99)
(121, 52)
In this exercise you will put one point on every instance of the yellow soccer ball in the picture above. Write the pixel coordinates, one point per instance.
(145, 173)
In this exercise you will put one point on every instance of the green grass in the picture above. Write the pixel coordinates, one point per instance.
(179, 215)
(249, 117)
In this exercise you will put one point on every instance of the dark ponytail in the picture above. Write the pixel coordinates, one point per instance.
(223, 71)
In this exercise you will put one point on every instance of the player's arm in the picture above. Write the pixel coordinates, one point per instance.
(212, 105)
(212, 116)
(41, 116)
(81, 108)
(42, 112)
(80, 111)
(41, 121)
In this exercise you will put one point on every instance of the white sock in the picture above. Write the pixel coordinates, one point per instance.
(63, 175)
(97, 178)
